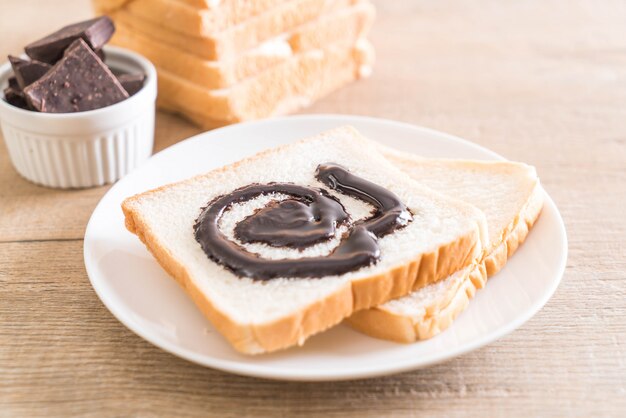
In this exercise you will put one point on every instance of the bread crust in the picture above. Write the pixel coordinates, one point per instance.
(201, 21)
(518, 232)
(107, 6)
(344, 27)
(232, 40)
(295, 328)
(281, 89)
(385, 324)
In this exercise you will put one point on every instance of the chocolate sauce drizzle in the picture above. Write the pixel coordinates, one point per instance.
(294, 223)
(309, 216)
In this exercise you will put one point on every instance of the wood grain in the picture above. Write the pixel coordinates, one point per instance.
(538, 81)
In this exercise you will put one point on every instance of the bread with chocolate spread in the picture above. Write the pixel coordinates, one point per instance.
(285, 244)
(510, 195)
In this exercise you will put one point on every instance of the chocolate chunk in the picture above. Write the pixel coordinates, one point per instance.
(100, 54)
(13, 83)
(78, 82)
(117, 72)
(15, 97)
(132, 83)
(96, 32)
(27, 72)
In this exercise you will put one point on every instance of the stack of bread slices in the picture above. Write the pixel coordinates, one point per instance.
(467, 218)
(226, 61)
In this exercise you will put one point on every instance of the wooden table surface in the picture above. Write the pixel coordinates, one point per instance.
(540, 81)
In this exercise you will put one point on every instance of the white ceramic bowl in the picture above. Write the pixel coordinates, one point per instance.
(83, 149)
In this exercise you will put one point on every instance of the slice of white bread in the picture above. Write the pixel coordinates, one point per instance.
(233, 40)
(281, 89)
(107, 6)
(216, 14)
(343, 27)
(203, 22)
(510, 196)
(233, 9)
(444, 236)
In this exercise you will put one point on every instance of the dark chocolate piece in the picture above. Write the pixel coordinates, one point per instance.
(78, 82)
(15, 97)
(27, 72)
(96, 32)
(13, 83)
(289, 223)
(132, 83)
(100, 53)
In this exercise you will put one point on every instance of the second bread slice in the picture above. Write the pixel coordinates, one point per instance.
(510, 196)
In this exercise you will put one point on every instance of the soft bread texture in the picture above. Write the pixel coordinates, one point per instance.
(232, 9)
(344, 27)
(281, 89)
(510, 196)
(107, 6)
(211, 13)
(446, 235)
(206, 22)
(236, 39)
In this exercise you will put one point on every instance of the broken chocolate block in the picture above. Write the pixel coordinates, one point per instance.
(132, 83)
(13, 83)
(100, 54)
(27, 72)
(78, 82)
(96, 32)
(15, 97)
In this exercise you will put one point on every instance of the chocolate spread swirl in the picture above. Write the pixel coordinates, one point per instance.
(309, 216)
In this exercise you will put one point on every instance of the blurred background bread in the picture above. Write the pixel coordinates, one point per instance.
(233, 60)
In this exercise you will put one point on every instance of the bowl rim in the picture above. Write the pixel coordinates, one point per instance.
(114, 52)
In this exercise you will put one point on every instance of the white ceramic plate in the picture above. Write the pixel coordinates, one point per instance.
(141, 295)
